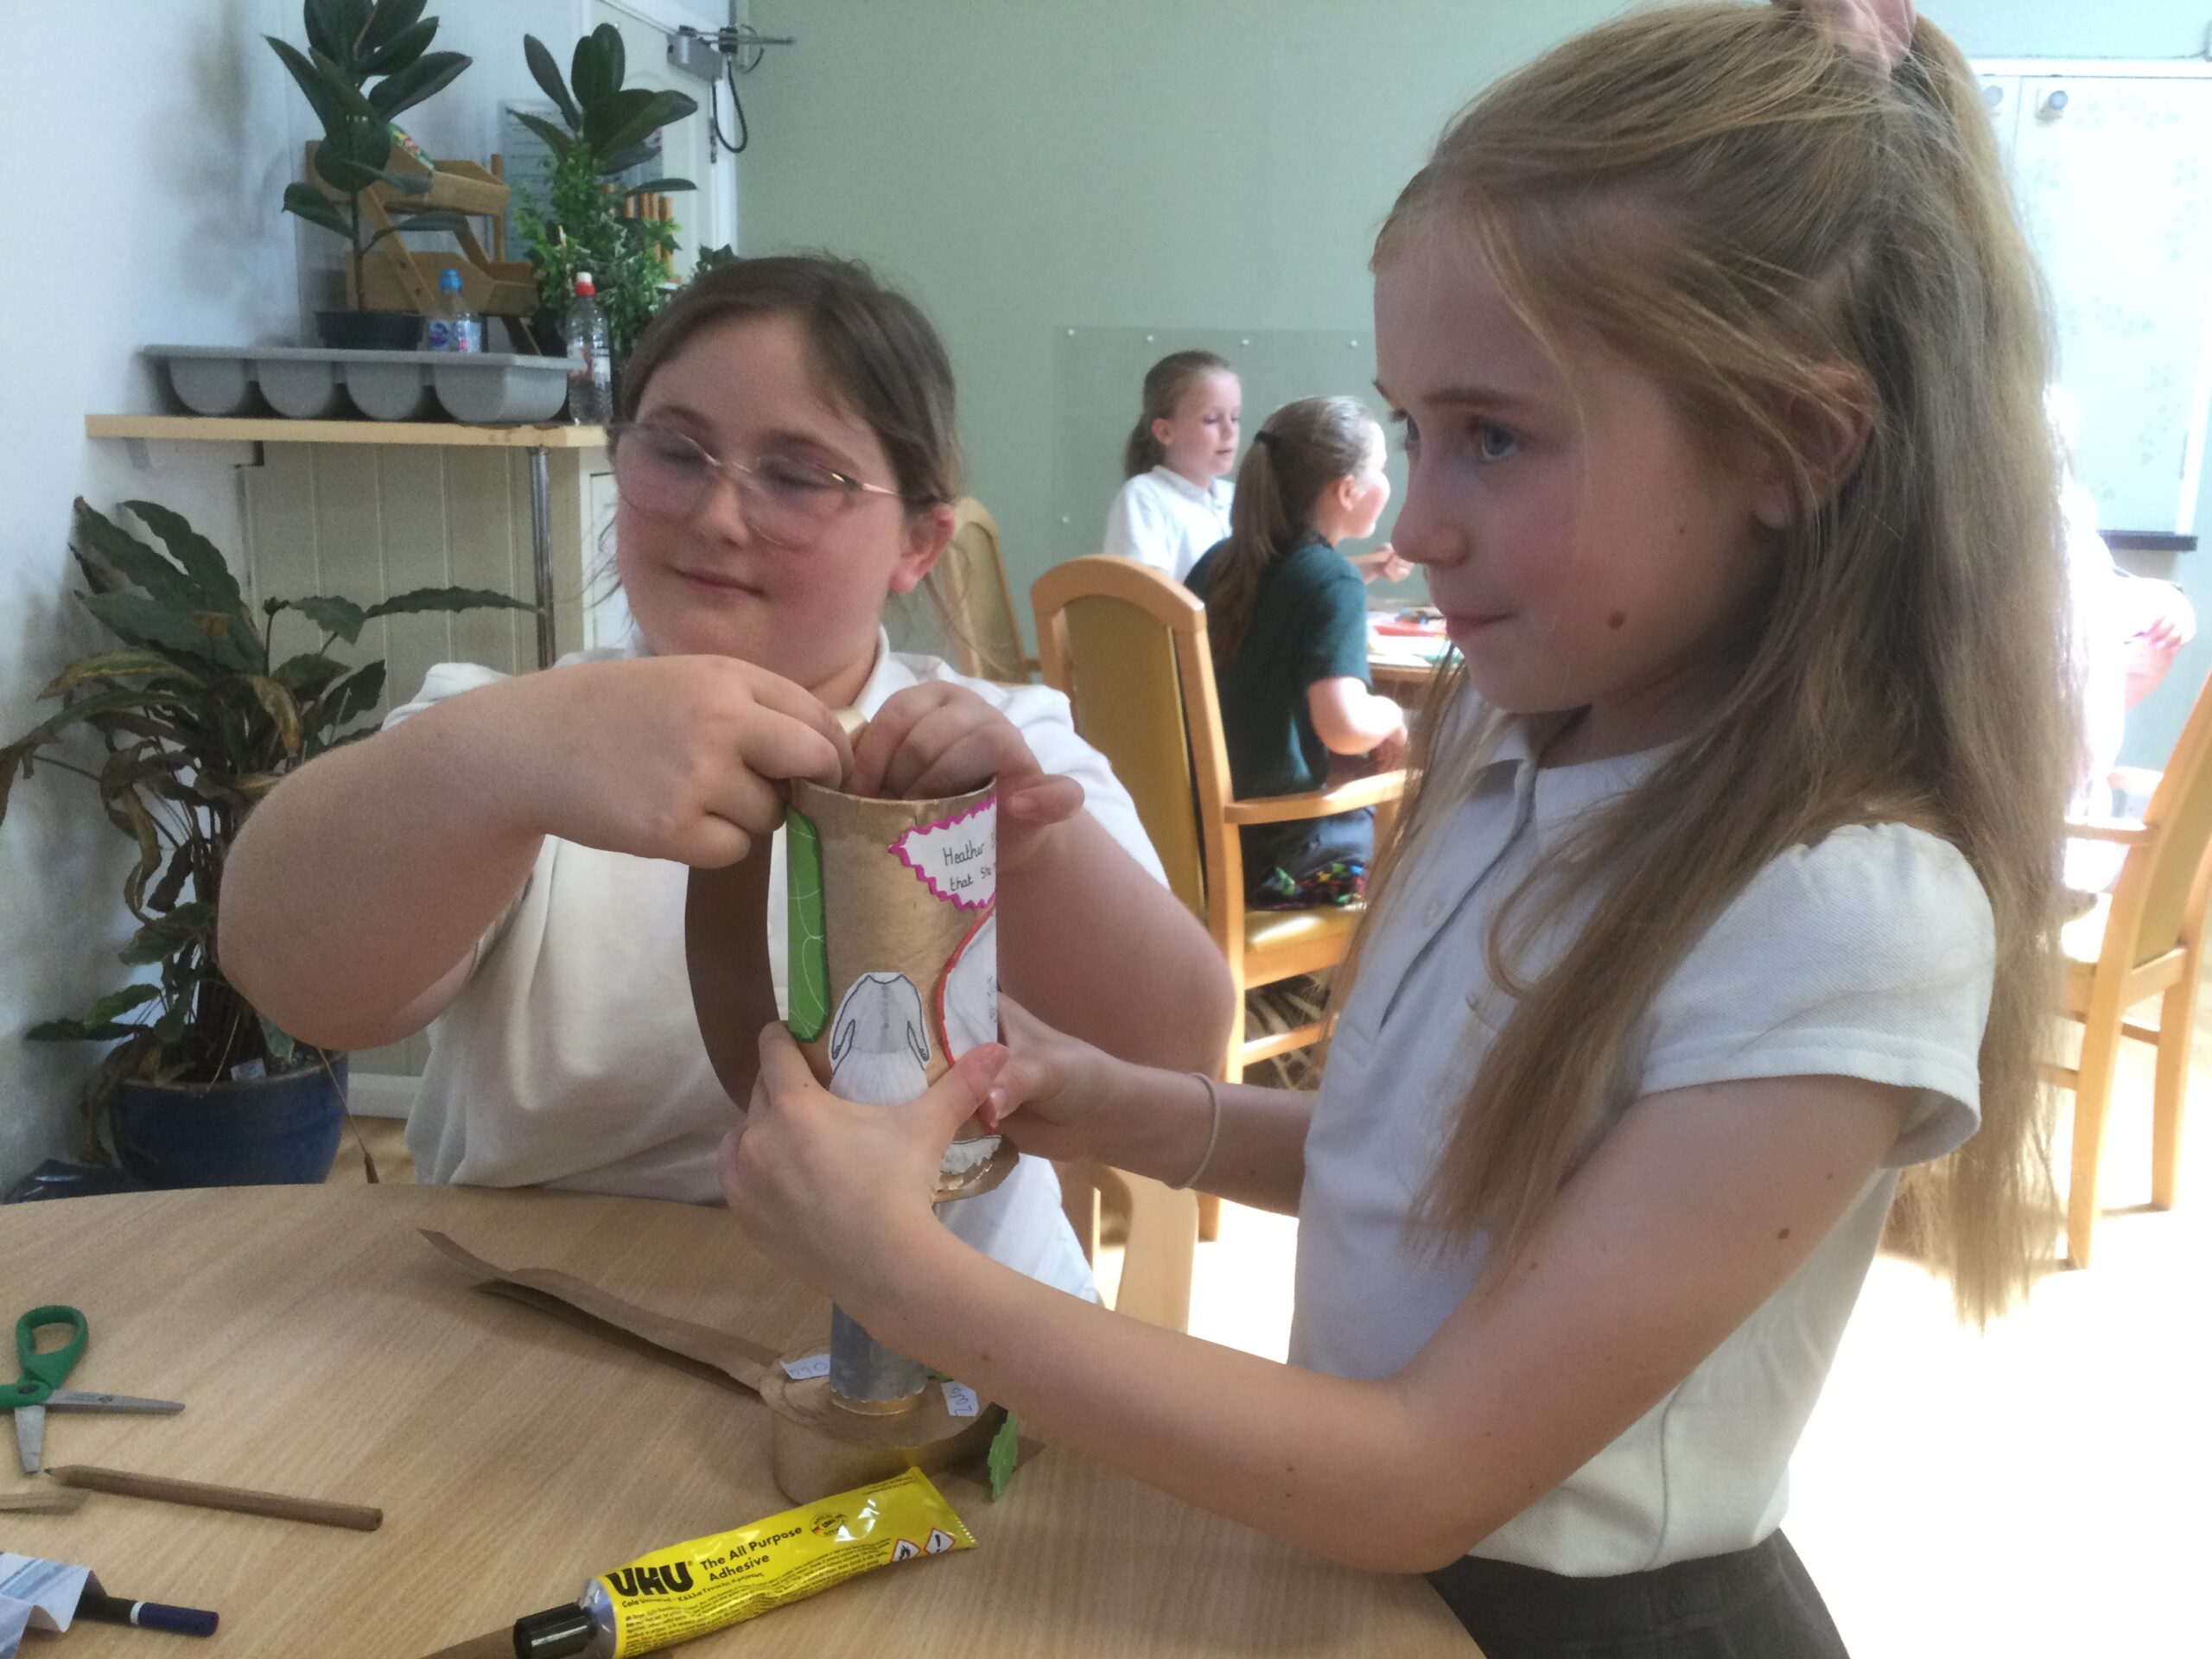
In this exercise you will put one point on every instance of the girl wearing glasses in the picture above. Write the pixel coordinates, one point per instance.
(516, 850)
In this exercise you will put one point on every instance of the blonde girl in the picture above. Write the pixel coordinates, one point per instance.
(1286, 617)
(1727, 891)
(1174, 499)
(514, 853)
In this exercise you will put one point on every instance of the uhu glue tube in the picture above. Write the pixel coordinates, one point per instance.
(692, 1589)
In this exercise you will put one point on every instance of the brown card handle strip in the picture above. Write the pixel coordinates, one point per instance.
(725, 951)
(738, 1358)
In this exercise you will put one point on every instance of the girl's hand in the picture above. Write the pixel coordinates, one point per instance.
(1385, 563)
(940, 738)
(1391, 753)
(1051, 1083)
(679, 758)
(842, 1191)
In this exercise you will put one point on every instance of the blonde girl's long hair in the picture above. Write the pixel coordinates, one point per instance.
(1725, 197)
(1303, 449)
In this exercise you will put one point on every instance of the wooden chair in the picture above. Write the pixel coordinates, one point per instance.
(2144, 939)
(1128, 647)
(974, 568)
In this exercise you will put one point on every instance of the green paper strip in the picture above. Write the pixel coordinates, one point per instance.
(809, 957)
(1006, 1452)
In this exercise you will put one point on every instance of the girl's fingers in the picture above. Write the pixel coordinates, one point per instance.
(783, 1070)
(886, 735)
(1052, 799)
(968, 760)
(918, 767)
(747, 802)
(796, 704)
(964, 1092)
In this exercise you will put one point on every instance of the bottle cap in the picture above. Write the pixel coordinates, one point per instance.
(554, 1634)
(583, 283)
(450, 281)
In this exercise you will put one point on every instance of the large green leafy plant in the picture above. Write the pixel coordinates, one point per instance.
(198, 718)
(591, 222)
(350, 43)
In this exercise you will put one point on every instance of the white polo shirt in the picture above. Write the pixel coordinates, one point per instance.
(1869, 955)
(1162, 520)
(572, 1057)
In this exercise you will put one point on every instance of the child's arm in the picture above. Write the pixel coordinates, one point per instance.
(1087, 938)
(354, 899)
(1071, 1101)
(1352, 720)
(1694, 1210)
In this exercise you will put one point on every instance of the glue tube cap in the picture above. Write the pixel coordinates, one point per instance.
(554, 1634)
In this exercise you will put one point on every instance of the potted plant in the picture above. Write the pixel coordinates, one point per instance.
(350, 43)
(593, 221)
(199, 718)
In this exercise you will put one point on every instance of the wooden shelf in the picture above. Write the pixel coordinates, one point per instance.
(449, 434)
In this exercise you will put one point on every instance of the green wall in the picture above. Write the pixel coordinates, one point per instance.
(1200, 171)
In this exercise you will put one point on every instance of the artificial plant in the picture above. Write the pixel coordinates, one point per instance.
(198, 717)
(350, 44)
(592, 220)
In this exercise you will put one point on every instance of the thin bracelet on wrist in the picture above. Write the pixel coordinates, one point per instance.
(1213, 1135)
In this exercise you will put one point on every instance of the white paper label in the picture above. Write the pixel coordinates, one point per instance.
(960, 1399)
(813, 1365)
(956, 858)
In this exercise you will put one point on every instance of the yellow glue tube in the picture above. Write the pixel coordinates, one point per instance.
(693, 1589)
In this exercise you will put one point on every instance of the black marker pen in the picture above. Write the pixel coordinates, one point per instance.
(146, 1615)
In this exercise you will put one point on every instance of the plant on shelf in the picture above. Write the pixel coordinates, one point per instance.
(197, 718)
(350, 44)
(592, 220)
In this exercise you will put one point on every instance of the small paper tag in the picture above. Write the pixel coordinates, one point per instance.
(813, 1365)
(956, 858)
(960, 1399)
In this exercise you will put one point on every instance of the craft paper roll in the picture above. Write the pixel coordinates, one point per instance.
(893, 947)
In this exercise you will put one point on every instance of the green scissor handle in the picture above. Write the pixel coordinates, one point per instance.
(44, 1373)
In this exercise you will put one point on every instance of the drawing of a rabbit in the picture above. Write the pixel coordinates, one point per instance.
(879, 1045)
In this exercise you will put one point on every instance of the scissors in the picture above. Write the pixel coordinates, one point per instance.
(43, 1375)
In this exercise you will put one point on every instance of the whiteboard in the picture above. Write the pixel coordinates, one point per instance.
(2112, 169)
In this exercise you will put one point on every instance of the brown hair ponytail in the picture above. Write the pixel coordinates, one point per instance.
(1303, 448)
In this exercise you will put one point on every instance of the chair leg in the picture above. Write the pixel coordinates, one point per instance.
(2092, 1094)
(1079, 1200)
(1156, 1265)
(2177, 1031)
(1232, 1071)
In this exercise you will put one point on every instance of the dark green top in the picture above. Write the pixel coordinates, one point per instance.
(1308, 623)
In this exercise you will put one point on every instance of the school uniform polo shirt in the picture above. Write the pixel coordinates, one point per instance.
(1308, 624)
(1868, 955)
(1162, 520)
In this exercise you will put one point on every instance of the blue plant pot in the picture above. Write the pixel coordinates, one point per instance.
(261, 1132)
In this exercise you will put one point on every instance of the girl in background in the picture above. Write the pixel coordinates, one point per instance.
(1174, 502)
(1286, 617)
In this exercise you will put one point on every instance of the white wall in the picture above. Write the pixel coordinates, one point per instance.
(149, 142)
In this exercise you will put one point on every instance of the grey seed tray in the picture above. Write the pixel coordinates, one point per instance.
(311, 383)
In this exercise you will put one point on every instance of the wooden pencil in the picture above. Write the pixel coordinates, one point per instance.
(162, 1489)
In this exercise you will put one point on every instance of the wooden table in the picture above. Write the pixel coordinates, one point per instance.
(322, 1348)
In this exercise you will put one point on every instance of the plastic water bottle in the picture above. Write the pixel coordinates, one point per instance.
(452, 327)
(591, 371)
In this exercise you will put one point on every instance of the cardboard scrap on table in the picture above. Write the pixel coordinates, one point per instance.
(721, 1354)
(717, 1356)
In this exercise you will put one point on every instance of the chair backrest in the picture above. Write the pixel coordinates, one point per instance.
(2163, 883)
(974, 569)
(1128, 647)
